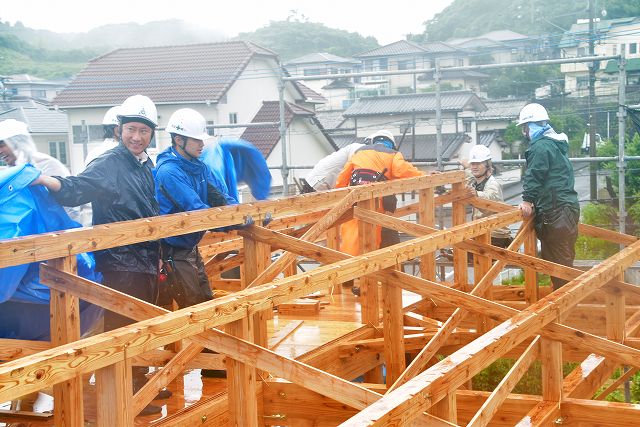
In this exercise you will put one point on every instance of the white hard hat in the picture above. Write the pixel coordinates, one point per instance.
(382, 135)
(189, 123)
(111, 116)
(12, 127)
(533, 113)
(139, 107)
(479, 153)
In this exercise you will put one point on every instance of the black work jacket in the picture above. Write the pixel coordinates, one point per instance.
(120, 188)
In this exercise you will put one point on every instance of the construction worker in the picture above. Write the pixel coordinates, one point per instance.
(17, 148)
(483, 184)
(324, 174)
(378, 161)
(184, 183)
(110, 134)
(548, 188)
(119, 184)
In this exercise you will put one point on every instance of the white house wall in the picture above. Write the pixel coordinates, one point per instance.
(306, 145)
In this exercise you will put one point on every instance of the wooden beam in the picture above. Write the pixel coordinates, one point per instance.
(543, 414)
(490, 406)
(406, 402)
(163, 377)
(443, 334)
(595, 412)
(65, 328)
(11, 349)
(567, 335)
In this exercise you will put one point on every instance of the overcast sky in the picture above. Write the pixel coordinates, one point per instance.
(386, 21)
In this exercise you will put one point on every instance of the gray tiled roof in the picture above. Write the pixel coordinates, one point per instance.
(422, 102)
(426, 147)
(37, 116)
(487, 138)
(309, 94)
(266, 138)
(402, 47)
(501, 109)
(320, 57)
(166, 74)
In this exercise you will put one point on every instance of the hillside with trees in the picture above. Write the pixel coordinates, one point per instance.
(52, 55)
(468, 18)
(294, 38)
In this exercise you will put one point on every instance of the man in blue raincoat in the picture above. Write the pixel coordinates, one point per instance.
(184, 183)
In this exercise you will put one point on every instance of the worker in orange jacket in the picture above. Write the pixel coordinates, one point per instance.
(378, 161)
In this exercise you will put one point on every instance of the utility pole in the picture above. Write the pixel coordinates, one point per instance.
(593, 167)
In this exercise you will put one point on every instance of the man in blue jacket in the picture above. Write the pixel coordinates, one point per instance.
(548, 188)
(184, 183)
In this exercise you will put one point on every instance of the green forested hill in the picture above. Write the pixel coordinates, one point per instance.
(53, 55)
(466, 18)
(291, 39)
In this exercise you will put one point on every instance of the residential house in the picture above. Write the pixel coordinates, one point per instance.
(492, 123)
(24, 85)
(48, 127)
(305, 138)
(226, 82)
(404, 55)
(612, 37)
(321, 63)
(497, 47)
(412, 119)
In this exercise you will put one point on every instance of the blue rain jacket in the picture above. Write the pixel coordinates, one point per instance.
(24, 301)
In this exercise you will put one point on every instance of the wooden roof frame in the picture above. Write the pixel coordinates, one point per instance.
(429, 391)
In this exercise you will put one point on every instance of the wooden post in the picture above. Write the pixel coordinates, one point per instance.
(241, 378)
(458, 216)
(615, 315)
(393, 331)
(481, 265)
(333, 242)
(114, 391)
(65, 328)
(446, 408)
(551, 355)
(369, 298)
(257, 259)
(531, 294)
(367, 234)
(426, 216)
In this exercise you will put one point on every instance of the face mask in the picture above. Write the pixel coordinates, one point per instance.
(536, 130)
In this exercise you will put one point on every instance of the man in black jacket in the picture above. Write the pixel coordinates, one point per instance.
(119, 184)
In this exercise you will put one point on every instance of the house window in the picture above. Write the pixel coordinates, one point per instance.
(408, 64)
(58, 149)
(615, 49)
(312, 72)
(582, 51)
(39, 93)
(466, 124)
(210, 130)
(582, 82)
(233, 118)
(80, 134)
(633, 48)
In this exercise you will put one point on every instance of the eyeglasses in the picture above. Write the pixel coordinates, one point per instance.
(145, 131)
